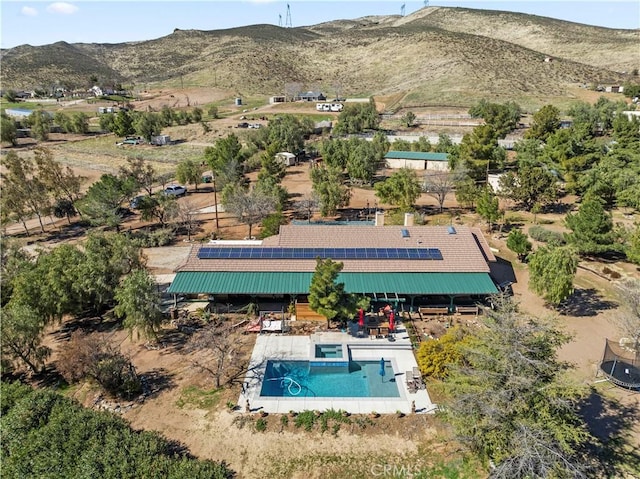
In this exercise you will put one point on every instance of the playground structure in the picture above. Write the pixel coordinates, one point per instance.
(621, 366)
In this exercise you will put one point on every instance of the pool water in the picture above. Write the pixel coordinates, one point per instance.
(312, 379)
(329, 351)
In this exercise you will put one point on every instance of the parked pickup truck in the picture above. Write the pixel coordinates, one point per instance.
(175, 190)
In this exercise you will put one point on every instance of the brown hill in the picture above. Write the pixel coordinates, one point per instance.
(435, 56)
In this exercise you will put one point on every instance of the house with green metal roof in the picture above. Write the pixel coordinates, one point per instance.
(412, 265)
(417, 160)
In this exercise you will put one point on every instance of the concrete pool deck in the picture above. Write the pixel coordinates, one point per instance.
(284, 347)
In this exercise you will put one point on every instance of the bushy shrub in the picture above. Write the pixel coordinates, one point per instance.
(151, 239)
(544, 235)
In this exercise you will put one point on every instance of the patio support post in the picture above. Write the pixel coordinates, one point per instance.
(452, 307)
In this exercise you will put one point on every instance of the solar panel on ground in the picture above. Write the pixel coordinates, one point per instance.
(312, 253)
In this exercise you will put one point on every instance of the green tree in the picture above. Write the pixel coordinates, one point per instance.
(10, 96)
(629, 318)
(421, 144)
(530, 186)
(479, 151)
(503, 118)
(488, 207)
(212, 111)
(326, 295)
(189, 172)
(22, 191)
(225, 158)
(329, 188)
(401, 189)
(103, 200)
(509, 402)
(545, 121)
(21, 336)
(400, 144)
(518, 242)
(40, 123)
(591, 228)
(196, 114)
(409, 118)
(147, 125)
(138, 302)
(357, 117)
(288, 132)
(51, 288)
(8, 130)
(108, 257)
(123, 123)
(632, 249)
(48, 435)
(162, 207)
(551, 272)
(61, 183)
(141, 172)
(467, 192)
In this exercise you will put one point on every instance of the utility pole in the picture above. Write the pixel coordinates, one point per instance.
(287, 22)
(215, 199)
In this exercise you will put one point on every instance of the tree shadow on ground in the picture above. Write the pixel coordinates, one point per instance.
(155, 381)
(585, 302)
(90, 324)
(612, 423)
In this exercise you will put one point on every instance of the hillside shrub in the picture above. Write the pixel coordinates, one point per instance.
(544, 235)
(152, 239)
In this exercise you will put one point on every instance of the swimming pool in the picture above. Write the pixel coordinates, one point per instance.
(313, 379)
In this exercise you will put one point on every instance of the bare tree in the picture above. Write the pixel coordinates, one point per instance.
(291, 90)
(439, 184)
(249, 206)
(629, 320)
(187, 217)
(307, 206)
(216, 349)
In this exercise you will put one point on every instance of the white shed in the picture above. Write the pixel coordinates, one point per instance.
(289, 159)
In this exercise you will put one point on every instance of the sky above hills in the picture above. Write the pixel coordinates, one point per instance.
(41, 23)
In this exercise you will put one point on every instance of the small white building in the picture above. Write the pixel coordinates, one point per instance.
(417, 160)
(289, 159)
(494, 181)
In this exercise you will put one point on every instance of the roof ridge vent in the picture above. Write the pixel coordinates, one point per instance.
(451, 230)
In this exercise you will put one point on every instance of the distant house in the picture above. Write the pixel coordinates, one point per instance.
(417, 160)
(96, 90)
(107, 109)
(289, 159)
(311, 96)
(277, 99)
(566, 124)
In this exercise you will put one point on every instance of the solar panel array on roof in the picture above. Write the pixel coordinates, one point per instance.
(312, 253)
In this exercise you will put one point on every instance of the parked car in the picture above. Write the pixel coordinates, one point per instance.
(175, 190)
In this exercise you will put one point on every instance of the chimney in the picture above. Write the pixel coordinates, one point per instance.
(379, 218)
(408, 219)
